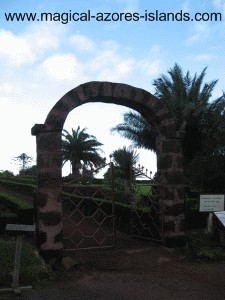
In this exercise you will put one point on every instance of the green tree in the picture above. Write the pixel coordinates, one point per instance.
(119, 182)
(81, 147)
(189, 105)
(23, 160)
(136, 129)
(29, 171)
(124, 158)
(6, 173)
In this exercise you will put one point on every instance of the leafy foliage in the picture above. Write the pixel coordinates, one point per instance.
(119, 183)
(138, 130)
(23, 160)
(202, 121)
(29, 171)
(80, 147)
(190, 107)
(6, 173)
(123, 159)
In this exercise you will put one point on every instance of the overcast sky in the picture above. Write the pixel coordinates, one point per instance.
(42, 60)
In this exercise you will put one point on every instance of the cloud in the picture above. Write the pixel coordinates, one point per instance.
(149, 68)
(29, 47)
(121, 69)
(217, 3)
(44, 37)
(110, 65)
(113, 45)
(82, 42)
(202, 32)
(185, 7)
(204, 57)
(131, 6)
(60, 67)
(16, 50)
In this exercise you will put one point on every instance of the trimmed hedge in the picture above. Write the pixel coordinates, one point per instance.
(22, 212)
(12, 203)
(19, 180)
(27, 189)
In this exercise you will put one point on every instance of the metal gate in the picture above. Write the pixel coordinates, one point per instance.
(88, 214)
(146, 207)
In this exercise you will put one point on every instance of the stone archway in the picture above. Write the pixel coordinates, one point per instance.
(49, 160)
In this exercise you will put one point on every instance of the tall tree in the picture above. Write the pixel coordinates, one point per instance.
(23, 160)
(138, 130)
(80, 147)
(29, 171)
(190, 108)
(124, 158)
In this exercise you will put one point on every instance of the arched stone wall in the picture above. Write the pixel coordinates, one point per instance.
(49, 178)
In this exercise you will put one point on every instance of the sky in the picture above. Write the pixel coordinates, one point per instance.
(42, 60)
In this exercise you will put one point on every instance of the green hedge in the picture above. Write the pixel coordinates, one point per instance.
(22, 212)
(12, 203)
(19, 180)
(27, 189)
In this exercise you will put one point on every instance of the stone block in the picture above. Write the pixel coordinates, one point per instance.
(168, 194)
(52, 256)
(64, 104)
(41, 199)
(182, 225)
(172, 146)
(169, 226)
(165, 162)
(50, 218)
(168, 131)
(175, 177)
(68, 262)
(49, 141)
(59, 237)
(179, 162)
(41, 238)
(50, 179)
(180, 192)
(174, 210)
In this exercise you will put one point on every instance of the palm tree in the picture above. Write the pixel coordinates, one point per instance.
(125, 158)
(138, 130)
(189, 107)
(80, 147)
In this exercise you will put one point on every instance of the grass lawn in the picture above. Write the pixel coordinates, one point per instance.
(33, 270)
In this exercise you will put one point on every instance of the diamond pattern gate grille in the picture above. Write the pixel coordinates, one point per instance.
(88, 214)
(146, 208)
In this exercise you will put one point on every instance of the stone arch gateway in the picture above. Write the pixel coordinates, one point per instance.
(49, 161)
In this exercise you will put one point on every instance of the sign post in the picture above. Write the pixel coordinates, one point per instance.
(19, 230)
(211, 203)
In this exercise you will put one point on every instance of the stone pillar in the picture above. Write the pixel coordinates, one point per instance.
(49, 189)
(170, 170)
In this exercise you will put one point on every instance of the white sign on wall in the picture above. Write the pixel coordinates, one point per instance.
(211, 203)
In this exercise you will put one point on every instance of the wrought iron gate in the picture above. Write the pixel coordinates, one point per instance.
(88, 214)
(146, 207)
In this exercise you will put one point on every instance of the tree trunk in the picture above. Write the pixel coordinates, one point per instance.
(75, 169)
(127, 186)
